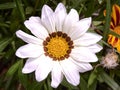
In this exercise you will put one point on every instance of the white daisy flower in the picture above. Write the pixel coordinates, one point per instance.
(60, 45)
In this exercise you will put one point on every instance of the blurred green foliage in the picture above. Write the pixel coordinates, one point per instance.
(12, 15)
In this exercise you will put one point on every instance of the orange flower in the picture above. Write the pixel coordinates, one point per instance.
(115, 26)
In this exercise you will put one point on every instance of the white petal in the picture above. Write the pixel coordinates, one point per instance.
(28, 38)
(60, 14)
(70, 71)
(48, 19)
(87, 39)
(37, 29)
(83, 67)
(44, 68)
(83, 54)
(30, 65)
(70, 19)
(95, 48)
(56, 74)
(35, 19)
(80, 28)
(29, 50)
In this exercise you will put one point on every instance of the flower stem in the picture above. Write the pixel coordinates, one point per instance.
(107, 20)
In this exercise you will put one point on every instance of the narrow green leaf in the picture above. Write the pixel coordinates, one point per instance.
(20, 8)
(4, 25)
(117, 72)
(36, 5)
(97, 23)
(105, 43)
(66, 84)
(7, 5)
(22, 77)
(93, 86)
(107, 20)
(36, 85)
(92, 78)
(45, 86)
(49, 84)
(8, 83)
(115, 34)
(107, 79)
(4, 42)
(100, 79)
(83, 84)
(13, 69)
(91, 8)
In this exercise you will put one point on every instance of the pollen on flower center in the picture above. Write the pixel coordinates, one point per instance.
(117, 30)
(58, 46)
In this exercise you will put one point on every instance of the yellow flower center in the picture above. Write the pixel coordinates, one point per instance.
(58, 46)
(117, 30)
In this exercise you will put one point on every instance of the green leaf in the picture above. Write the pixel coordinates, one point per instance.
(7, 5)
(107, 79)
(20, 8)
(36, 85)
(66, 84)
(92, 78)
(4, 25)
(8, 83)
(91, 8)
(105, 43)
(22, 77)
(115, 34)
(100, 79)
(13, 68)
(49, 84)
(4, 42)
(93, 86)
(83, 84)
(107, 20)
(97, 23)
(117, 72)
